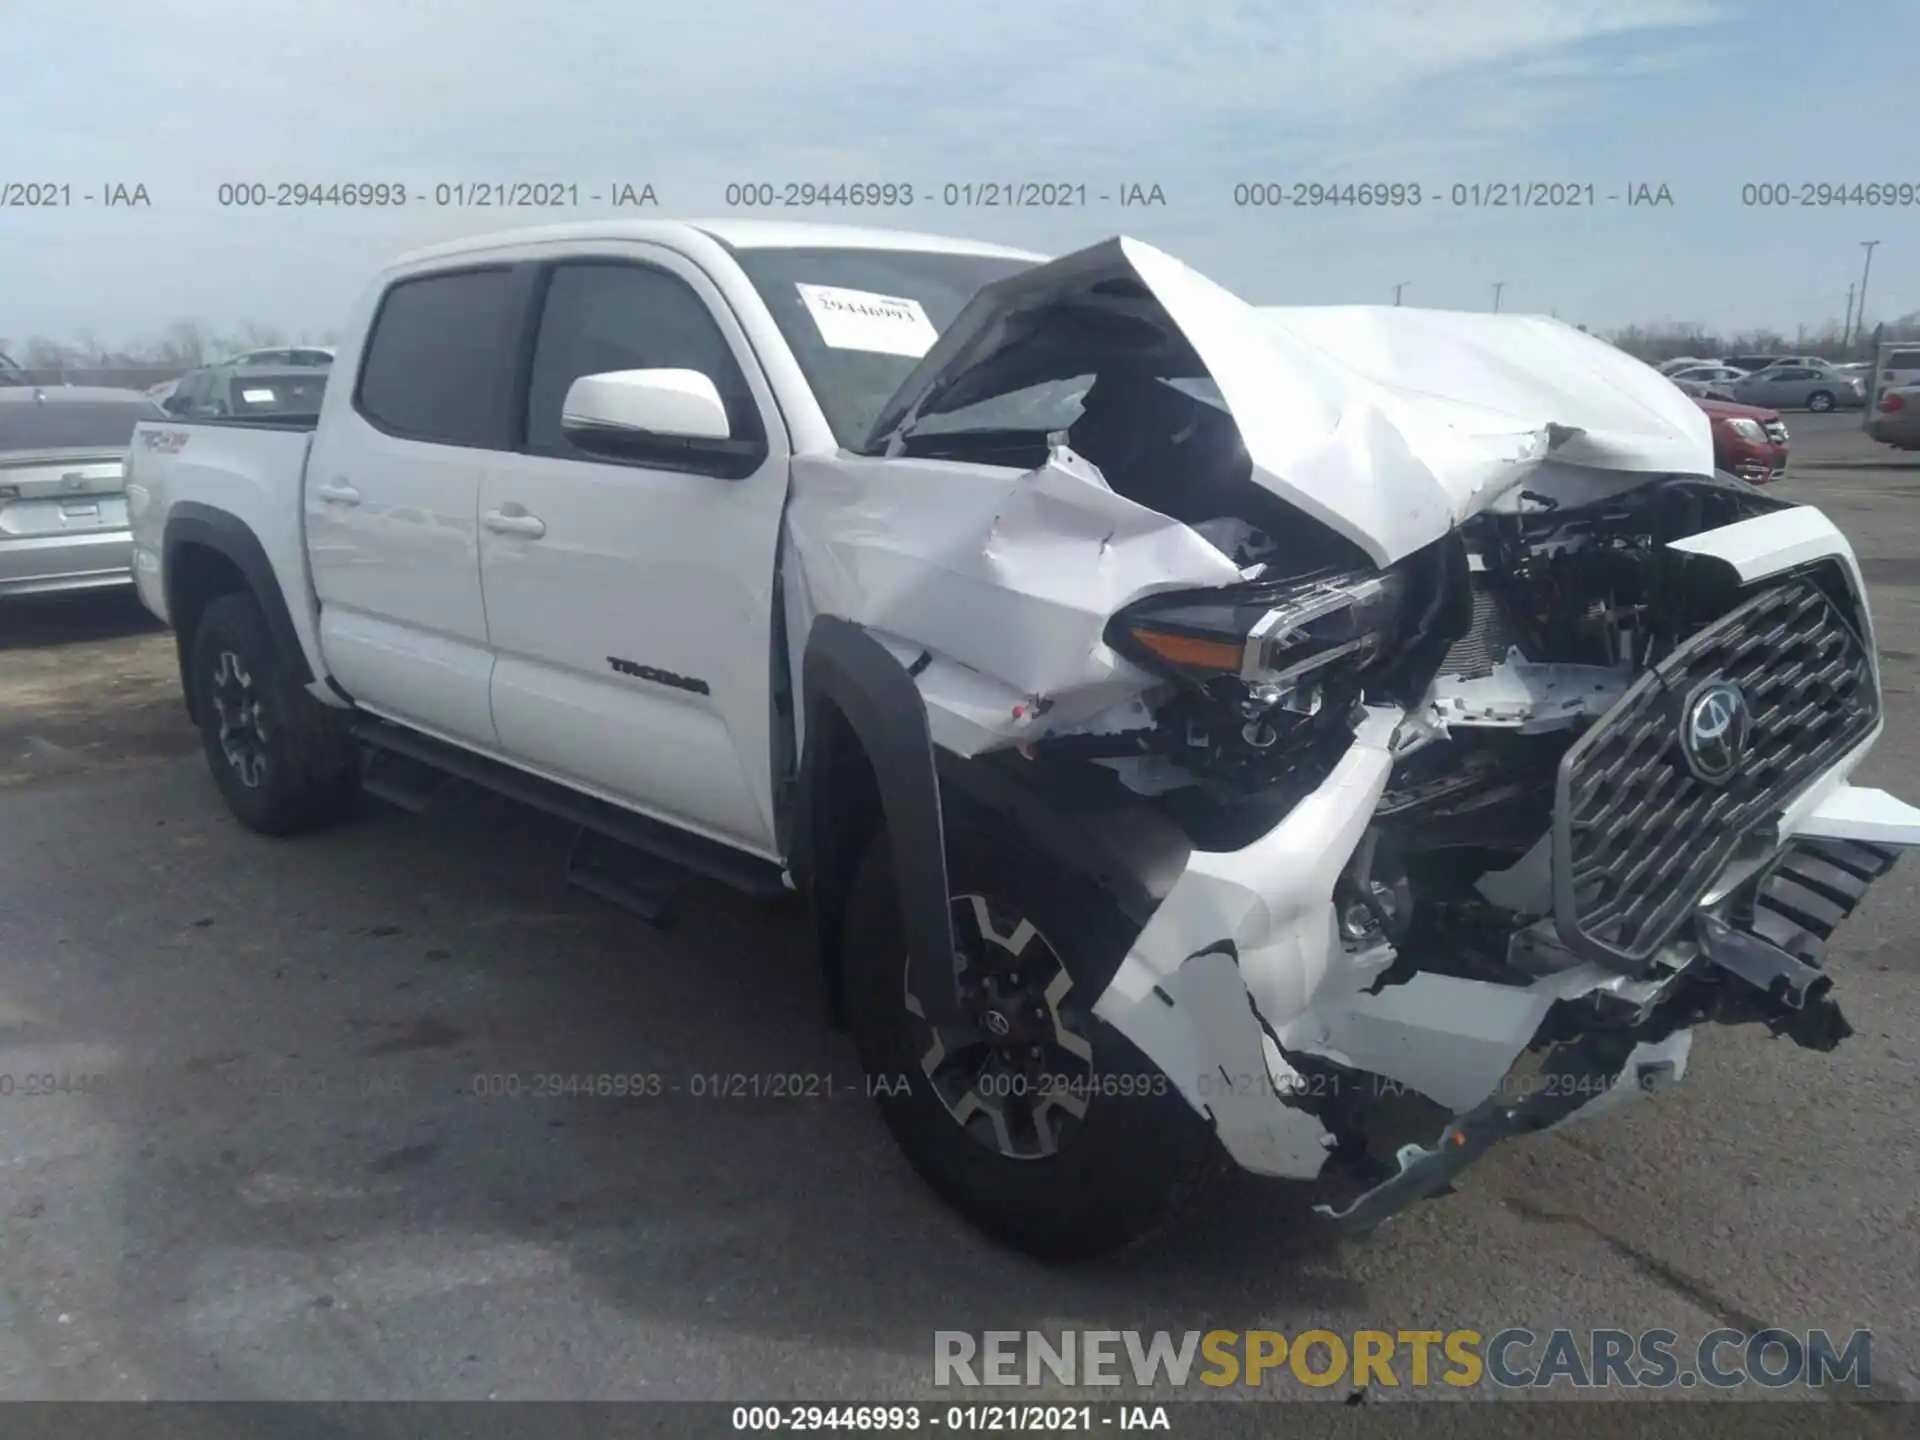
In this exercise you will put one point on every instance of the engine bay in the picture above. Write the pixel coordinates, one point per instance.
(1502, 644)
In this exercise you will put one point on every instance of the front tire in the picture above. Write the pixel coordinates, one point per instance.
(1820, 402)
(283, 761)
(1048, 1129)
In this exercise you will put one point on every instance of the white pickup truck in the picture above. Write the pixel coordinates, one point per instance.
(1328, 741)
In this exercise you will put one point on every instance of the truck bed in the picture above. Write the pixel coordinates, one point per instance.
(251, 470)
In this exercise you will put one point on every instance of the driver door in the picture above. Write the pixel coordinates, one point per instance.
(630, 601)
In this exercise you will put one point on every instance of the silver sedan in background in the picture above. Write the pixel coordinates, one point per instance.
(63, 502)
(1801, 387)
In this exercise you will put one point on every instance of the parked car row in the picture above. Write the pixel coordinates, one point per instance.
(63, 452)
(1789, 382)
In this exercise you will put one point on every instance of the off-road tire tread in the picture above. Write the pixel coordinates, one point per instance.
(1148, 1200)
(313, 763)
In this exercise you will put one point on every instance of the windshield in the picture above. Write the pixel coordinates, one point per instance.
(1050, 406)
(277, 394)
(859, 320)
(72, 424)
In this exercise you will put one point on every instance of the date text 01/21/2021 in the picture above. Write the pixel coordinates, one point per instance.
(457, 195)
(701, 1085)
(1461, 195)
(898, 1418)
(952, 194)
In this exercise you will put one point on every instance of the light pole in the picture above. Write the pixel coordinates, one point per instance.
(1398, 288)
(1846, 326)
(1860, 313)
(1498, 286)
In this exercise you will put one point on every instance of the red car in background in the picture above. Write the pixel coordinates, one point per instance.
(1748, 440)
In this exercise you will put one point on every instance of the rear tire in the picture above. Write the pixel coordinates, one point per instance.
(1114, 1175)
(283, 761)
(1820, 402)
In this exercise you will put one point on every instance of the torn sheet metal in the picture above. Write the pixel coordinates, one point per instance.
(1450, 1039)
(1011, 575)
(1527, 698)
(1500, 378)
(1348, 413)
(1239, 949)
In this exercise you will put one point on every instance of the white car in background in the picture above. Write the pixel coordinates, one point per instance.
(278, 357)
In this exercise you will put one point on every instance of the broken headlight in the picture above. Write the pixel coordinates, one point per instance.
(1273, 638)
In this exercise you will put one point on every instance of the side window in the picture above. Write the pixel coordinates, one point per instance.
(600, 317)
(438, 359)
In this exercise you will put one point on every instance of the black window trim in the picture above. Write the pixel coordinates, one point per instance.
(741, 457)
(501, 416)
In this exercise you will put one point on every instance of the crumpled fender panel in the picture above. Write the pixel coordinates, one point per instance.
(1238, 949)
(1008, 578)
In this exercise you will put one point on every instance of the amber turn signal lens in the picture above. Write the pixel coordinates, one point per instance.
(1190, 651)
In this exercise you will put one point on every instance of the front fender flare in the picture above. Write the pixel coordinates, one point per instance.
(846, 670)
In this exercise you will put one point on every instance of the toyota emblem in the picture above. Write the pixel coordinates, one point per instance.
(1714, 725)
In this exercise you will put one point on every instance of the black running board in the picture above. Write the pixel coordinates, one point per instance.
(663, 846)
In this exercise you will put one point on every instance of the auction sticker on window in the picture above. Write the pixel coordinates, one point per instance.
(862, 320)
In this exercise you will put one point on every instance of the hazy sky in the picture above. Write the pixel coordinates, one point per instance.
(1702, 96)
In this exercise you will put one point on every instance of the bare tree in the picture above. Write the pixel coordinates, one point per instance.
(43, 354)
(184, 344)
(261, 337)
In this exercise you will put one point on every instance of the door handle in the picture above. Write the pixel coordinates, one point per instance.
(512, 519)
(339, 492)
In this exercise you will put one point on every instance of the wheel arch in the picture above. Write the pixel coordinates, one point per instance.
(868, 763)
(206, 553)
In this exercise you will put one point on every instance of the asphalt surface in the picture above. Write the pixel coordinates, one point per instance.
(279, 1159)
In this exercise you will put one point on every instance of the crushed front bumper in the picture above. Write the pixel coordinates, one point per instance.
(1758, 960)
(1299, 1045)
(1301, 1051)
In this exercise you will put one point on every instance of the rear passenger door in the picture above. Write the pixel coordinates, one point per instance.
(630, 602)
(391, 494)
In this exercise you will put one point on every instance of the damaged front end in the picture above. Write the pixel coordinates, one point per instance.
(1612, 809)
(1505, 745)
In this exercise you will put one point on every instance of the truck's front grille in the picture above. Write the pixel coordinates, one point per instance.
(1638, 836)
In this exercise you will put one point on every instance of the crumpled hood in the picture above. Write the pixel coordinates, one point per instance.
(1390, 425)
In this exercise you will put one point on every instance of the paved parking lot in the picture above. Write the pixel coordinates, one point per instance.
(275, 1167)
